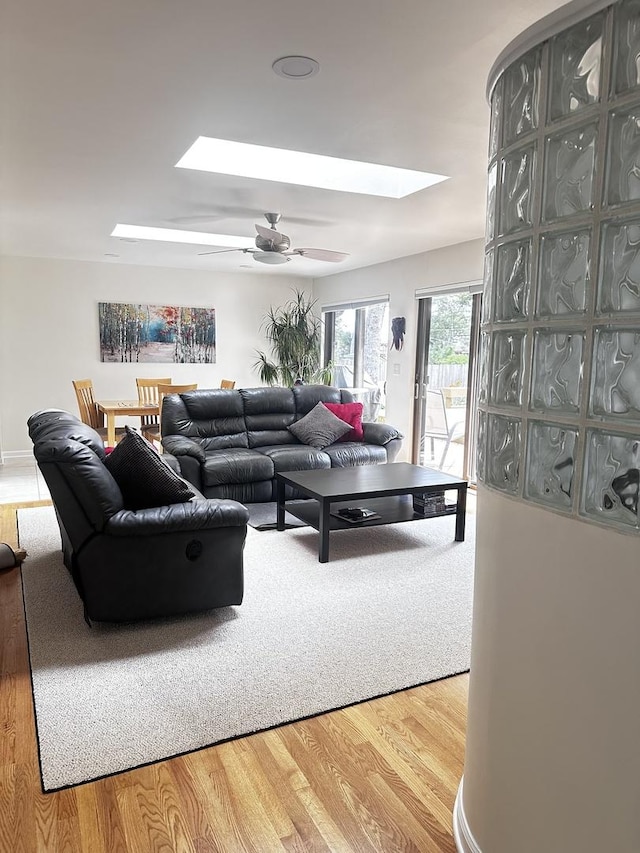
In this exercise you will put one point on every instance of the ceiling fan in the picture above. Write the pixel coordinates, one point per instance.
(273, 247)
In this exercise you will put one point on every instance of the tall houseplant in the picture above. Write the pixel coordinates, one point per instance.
(293, 333)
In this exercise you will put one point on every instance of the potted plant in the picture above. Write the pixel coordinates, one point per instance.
(293, 332)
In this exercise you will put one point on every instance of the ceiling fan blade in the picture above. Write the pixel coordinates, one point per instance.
(322, 255)
(270, 234)
(220, 251)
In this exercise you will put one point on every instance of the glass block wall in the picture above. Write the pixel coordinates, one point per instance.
(559, 403)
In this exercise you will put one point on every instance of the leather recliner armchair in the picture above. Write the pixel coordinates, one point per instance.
(129, 565)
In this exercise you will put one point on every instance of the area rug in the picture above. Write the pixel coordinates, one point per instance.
(392, 609)
(262, 516)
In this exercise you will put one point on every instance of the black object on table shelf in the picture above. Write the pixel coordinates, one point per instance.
(355, 514)
(429, 504)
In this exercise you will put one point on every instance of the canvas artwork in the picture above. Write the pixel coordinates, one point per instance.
(156, 333)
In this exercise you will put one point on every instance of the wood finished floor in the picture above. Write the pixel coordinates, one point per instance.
(380, 776)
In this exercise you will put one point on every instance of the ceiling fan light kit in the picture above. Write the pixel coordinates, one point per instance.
(270, 258)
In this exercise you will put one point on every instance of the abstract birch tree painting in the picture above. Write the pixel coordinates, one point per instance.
(156, 333)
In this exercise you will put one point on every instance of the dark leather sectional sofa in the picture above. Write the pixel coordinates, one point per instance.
(230, 444)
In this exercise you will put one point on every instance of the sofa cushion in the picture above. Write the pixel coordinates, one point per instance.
(308, 396)
(294, 457)
(144, 479)
(212, 417)
(355, 453)
(319, 428)
(350, 413)
(235, 465)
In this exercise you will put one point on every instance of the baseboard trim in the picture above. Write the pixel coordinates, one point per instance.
(15, 456)
(465, 842)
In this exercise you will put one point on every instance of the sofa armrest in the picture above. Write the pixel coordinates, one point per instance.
(375, 433)
(170, 460)
(191, 515)
(180, 445)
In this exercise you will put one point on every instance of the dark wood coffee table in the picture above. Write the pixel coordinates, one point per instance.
(386, 489)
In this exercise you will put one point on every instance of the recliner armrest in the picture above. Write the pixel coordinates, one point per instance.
(180, 445)
(171, 461)
(375, 433)
(191, 515)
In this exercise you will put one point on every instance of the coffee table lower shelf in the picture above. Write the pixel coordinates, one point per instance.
(391, 510)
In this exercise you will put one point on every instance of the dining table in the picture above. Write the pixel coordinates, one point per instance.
(113, 409)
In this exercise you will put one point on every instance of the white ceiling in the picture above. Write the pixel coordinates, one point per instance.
(100, 100)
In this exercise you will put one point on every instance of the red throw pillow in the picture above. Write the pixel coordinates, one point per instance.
(350, 413)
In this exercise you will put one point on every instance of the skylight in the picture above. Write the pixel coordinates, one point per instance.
(175, 235)
(298, 167)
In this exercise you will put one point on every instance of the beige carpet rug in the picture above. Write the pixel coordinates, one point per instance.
(392, 609)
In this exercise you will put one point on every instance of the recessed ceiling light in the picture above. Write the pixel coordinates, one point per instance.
(175, 235)
(298, 167)
(296, 67)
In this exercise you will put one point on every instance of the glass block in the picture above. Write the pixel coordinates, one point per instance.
(623, 156)
(615, 374)
(576, 59)
(626, 39)
(563, 274)
(568, 179)
(487, 294)
(502, 466)
(516, 190)
(485, 361)
(513, 279)
(619, 275)
(492, 178)
(507, 364)
(611, 478)
(556, 381)
(521, 94)
(549, 467)
(496, 118)
(481, 446)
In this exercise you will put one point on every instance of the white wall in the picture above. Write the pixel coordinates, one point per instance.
(400, 279)
(552, 737)
(49, 330)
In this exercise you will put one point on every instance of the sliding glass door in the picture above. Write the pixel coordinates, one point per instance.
(356, 343)
(445, 383)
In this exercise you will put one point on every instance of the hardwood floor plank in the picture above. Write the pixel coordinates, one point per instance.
(423, 833)
(91, 837)
(379, 777)
(287, 781)
(217, 801)
(151, 814)
(7, 808)
(412, 771)
(253, 819)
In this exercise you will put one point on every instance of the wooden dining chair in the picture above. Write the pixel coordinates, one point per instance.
(148, 393)
(163, 390)
(89, 413)
(227, 383)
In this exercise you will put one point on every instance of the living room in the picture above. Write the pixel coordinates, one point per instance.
(100, 106)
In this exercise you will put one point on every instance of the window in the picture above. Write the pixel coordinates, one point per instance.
(356, 344)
